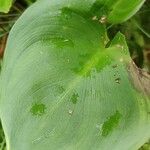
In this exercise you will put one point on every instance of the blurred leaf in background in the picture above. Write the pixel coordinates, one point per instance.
(137, 34)
(5, 5)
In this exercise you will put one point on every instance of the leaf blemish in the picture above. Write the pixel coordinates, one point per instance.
(111, 123)
(38, 109)
(74, 98)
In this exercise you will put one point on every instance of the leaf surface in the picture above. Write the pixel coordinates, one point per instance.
(62, 89)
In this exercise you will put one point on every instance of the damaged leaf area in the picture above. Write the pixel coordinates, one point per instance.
(140, 79)
(65, 85)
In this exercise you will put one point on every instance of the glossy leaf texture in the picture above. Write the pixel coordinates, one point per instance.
(61, 88)
(5, 5)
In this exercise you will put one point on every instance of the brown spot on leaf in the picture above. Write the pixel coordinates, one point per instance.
(139, 78)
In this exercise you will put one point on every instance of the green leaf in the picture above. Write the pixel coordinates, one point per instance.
(5, 5)
(62, 89)
(123, 10)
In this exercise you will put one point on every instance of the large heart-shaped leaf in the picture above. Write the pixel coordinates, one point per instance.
(61, 89)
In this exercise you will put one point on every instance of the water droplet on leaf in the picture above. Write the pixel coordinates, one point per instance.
(117, 80)
(70, 112)
(62, 42)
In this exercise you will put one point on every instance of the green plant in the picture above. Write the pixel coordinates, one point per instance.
(65, 85)
(5, 5)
